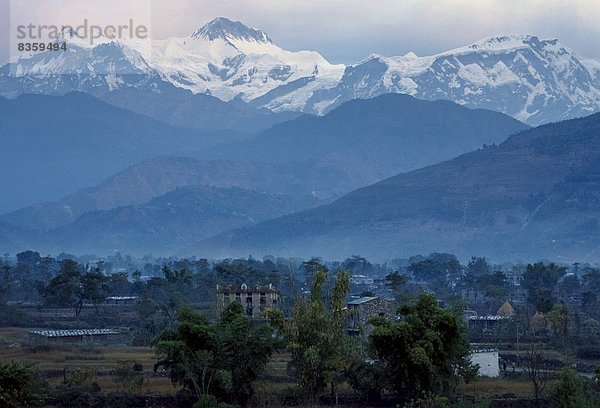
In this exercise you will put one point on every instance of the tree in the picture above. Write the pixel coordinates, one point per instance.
(126, 375)
(5, 282)
(561, 319)
(425, 352)
(119, 284)
(478, 267)
(591, 279)
(436, 269)
(570, 285)
(589, 303)
(73, 288)
(221, 360)
(495, 285)
(30, 258)
(316, 336)
(541, 280)
(93, 288)
(395, 282)
(311, 268)
(534, 368)
(357, 264)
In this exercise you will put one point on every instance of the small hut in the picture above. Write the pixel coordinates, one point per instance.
(506, 310)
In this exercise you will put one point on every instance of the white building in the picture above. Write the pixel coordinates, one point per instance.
(488, 362)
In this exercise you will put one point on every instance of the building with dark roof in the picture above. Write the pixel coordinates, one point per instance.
(362, 309)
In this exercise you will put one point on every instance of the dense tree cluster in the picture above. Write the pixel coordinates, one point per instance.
(220, 360)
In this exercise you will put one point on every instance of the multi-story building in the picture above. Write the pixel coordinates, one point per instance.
(254, 299)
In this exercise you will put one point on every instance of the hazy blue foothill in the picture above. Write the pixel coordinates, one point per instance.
(535, 195)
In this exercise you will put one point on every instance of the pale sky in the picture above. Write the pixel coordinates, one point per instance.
(346, 30)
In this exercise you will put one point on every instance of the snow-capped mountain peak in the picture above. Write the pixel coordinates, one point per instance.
(226, 29)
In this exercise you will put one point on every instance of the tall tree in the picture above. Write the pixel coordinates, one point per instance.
(221, 360)
(5, 282)
(570, 392)
(21, 385)
(541, 280)
(395, 282)
(316, 337)
(561, 319)
(478, 266)
(73, 287)
(436, 269)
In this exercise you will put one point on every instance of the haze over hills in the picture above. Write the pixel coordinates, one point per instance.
(309, 161)
(536, 195)
(165, 224)
(155, 177)
(55, 145)
(534, 80)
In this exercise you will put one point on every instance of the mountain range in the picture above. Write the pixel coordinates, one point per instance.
(302, 163)
(534, 196)
(534, 80)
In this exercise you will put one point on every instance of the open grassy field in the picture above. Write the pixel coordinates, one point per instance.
(56, 359)
(493, 387)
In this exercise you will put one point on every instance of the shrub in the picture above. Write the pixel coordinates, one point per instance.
(78, 390)
(208, 401)
(21, 385)
(571, 392)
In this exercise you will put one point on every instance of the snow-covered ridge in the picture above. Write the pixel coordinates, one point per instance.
(532, 79)
(223, 58)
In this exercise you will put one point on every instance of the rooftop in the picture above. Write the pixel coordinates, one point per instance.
(362, 300)
(74, 333)
(247, 288)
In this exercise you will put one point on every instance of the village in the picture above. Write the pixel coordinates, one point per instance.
(524, 324)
